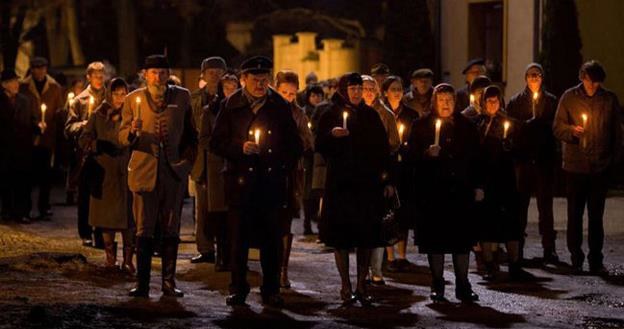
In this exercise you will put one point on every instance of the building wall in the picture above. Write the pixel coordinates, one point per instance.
(520, 28)
(601, 24)
(454, 40)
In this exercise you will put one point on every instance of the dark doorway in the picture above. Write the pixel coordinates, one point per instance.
(485, 35)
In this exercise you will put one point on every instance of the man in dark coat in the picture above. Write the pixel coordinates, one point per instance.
(80, 110)
(43, 89)
(258, 138)
(587, 123)
(419, 96)
(157, 125)
(18, 126)
(473, 69)
(535, 153)
(212, 69)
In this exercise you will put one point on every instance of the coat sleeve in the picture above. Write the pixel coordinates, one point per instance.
(326, 144)
(126, 138)
(188, 143)
(223, 142)
(74, 125)
(561, 126)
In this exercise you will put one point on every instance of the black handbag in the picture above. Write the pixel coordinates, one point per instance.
(390, 228)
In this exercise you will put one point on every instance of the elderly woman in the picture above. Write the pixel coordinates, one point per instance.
(405, 116)
(443, 150)
(352, 139)
(109, 204)
(287, 84)
(499, 213)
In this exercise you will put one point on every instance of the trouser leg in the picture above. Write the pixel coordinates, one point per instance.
(544, 196)
(595, 213)
(436, 266)
(238, 232)
(576, 191)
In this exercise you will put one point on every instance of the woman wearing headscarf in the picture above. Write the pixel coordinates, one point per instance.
(109, 204)
(499, 211)
(443, 150)
(352, 139)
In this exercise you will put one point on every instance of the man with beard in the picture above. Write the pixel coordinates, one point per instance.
(43, 89)
(258, 138)
(80, 109)
(157, 125)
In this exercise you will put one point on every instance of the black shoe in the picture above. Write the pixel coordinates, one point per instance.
(169, 258)
(438, 297)
(363, 298)
(171, 291)
(235, 300)
(23, 220)
(550, 257)
(139, 292)
(348, 298)
(87, 243)
(274, 300)
(144, 248)
(466, 295)
(204, 258)
(393, 266)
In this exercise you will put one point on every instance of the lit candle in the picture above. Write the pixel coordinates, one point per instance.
(345, 115)
(438, 125)
(309, 125)
(91, 104)
(70, 96)
(43, 111)
(505, 129)
(138, 104)
(472, 99)
(535, 97)
(584, 117)
(401, 131)
(257, 136)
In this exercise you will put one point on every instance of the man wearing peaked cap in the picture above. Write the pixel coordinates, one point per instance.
(421, 89)
(474, 68)
(259, 140)
(159, 130)
(210, 212)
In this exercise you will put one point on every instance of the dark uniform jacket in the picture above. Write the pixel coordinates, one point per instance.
(535, 142)
(257, 180)
(603, 132)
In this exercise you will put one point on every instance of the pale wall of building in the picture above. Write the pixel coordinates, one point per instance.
(601, 24)
(517, 35)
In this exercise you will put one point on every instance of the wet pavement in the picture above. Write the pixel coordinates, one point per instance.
(48, 280)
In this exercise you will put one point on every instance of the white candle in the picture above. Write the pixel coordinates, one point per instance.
(43, 112)
(535, 97)
(138, 104)
(438, 125)
(91, 104)
(584, 138)
(401, 131)
(472, 99)
(345, 115)
(505, 129)
(257, 136)
(584, 117)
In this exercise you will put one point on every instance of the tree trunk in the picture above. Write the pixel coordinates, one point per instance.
(72, 32)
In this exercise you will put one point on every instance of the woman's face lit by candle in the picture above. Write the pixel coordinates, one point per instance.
(369, 92)
(355, 94)
(229, 87)
(118, 97)
(534, 79)
(394, 94)
(445, 104)
(288, 91)
(492, 105)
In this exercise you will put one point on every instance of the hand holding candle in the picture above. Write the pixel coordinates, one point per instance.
(438, 126)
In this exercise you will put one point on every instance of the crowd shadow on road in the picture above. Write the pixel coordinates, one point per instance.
(414, 275)
(245, 317)
(215, 281)
(148, 310)
(476, 314)
(390, 310)
(533, 286)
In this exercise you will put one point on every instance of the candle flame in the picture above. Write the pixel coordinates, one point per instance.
(71, 96)
(138, 100)
(535, 95)
(43, 108)
(345, 114)
(472, 98)
(438, 124)
(584, 116)
(401, 129)
(309, 125)
(257, 136)
(91, 100)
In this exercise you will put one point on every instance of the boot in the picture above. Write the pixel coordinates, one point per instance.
(145, 248)
(110, 250)
(127, 265)
(287, 241)
(169, 258)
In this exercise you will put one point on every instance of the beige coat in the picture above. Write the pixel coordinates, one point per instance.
(167, 132)
(212, 169)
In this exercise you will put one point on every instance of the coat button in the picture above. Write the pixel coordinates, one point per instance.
(241, 181)
(269, 132)
(250, 168)
(270, 151)
(269, 169)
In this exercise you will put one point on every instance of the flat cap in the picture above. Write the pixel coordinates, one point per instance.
(38, 62)
(156, 62)
(214, 62)
(257, 65)
(422, 73)
(380, 68)
(474, 61)
(480, 82)
(8, 74)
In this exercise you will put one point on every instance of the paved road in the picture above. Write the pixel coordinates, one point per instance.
(48, 280)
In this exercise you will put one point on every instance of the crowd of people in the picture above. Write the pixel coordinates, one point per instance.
(362, 155)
